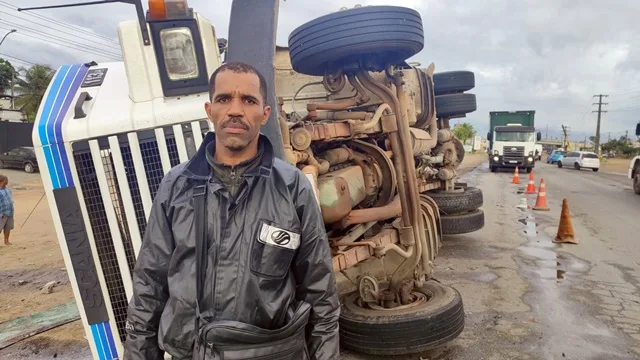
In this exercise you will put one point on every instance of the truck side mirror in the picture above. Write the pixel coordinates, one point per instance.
(638, 129)
(489, 136)
(539, 136)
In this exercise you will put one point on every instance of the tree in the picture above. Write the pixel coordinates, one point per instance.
(7, 72)
(464, 132)
(32, 88)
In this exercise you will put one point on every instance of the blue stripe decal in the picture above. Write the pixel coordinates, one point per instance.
(96, 339)
(112, 344)
(105, 342)
(44, 119)
(64, 169)
(56, 106)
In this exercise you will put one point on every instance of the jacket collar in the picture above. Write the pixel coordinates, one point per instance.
(199, 168)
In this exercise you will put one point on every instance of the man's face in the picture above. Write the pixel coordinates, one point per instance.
(237, 109)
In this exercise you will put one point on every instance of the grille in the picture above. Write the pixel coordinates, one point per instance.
(513, 153)
(150, 160)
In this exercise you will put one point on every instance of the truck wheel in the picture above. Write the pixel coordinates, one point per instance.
(452, 82)
(493, 169)
(455, 104)
(636, 183)
(399, 332)
(377, 35)
(529, 170)
(461, 200)
(462, 223)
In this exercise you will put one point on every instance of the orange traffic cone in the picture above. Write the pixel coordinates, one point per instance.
(541, 201)
(531, 187)
(565, 228)
(516, 177)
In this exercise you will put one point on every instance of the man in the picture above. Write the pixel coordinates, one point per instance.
(248, 277)
(6, 209)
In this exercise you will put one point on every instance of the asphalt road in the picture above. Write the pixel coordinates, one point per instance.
(528, 298)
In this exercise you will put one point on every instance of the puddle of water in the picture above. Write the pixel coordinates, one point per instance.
(486, 277)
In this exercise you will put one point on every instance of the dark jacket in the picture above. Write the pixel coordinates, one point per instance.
(247, 279)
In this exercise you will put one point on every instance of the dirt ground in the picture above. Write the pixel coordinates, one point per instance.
(619, 166)
(34, 260)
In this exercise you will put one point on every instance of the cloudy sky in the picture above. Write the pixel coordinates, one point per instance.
(551, 56)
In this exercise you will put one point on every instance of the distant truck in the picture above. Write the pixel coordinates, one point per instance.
(512, 140)
(634, 168)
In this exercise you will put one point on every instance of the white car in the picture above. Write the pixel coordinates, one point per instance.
(580, 159)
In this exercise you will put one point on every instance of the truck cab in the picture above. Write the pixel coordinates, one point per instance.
(512, 143)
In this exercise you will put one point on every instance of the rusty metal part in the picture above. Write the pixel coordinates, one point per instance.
(446, 173)
(370, 179)
(293, 99)
(334, 82)
(404, 292)
(311, 172)
(342, 115)
(345, 259)
(340, 105)
(428, 106)
(336, 156)
(328, 131)
(420, 141)
(301, 156)
(321, 165)
(405, 168)
(431, 216)
(300, 138)
(340, 191)
(388, 180)
(368, 289)
(445, 135)
(352, 235)
(362, 95)
(368, 125)
(431, 185)
(360, 216)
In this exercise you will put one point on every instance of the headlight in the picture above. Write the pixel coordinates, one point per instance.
(530, 159)
(495, 152)
(530, 153)
(495, 158)
(179, 53)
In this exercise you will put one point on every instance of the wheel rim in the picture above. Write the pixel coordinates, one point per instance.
(28, 168)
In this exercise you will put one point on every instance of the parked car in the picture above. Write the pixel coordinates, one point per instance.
(555, 156)
(20, 158)
(580, 159)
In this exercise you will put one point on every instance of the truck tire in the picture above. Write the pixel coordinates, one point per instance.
(401, 332)
(636, 183)
(380, 35)
(455, 104)
(462, 223)
(452, 82)
(451, 202)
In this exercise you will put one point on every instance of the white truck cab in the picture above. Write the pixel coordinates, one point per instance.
(104, 137)
(513, 145)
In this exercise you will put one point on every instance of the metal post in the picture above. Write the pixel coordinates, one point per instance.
(258, 51)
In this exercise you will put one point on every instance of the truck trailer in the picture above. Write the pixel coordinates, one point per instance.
(512, 140)
(349, 112)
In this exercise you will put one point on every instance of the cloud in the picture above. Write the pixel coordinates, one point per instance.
(551, 56)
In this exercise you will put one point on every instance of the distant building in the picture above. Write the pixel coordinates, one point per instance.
(9, 114)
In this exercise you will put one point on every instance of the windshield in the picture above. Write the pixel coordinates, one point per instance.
(515, 136)
(558, 152)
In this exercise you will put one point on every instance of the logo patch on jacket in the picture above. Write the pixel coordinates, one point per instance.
(278, 237)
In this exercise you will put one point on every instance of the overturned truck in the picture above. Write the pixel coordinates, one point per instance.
(359, 121)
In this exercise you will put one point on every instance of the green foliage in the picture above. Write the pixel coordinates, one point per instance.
(7, 72)
(32, 87)
(622, 147)
(464, 132)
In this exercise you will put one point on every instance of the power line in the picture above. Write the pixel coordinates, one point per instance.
(59, 23)
(107, 47)
(17, 59)
(66, 42)
(63, 42)
(596, 144)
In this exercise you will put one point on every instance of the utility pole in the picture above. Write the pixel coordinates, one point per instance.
(599, 111)
(565, 141)
(546, 135)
